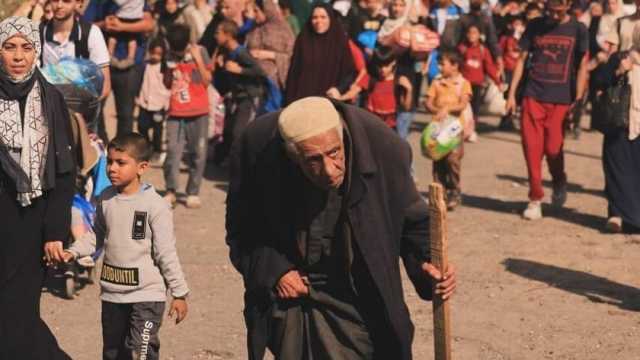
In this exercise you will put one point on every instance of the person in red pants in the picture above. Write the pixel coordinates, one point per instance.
(555, 55)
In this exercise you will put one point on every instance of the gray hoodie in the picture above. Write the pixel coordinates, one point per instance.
(139, 247)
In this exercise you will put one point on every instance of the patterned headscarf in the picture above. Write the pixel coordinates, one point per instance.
(24, 134)
(23, 27)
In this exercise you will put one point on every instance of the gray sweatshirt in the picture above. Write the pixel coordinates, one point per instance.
(139, 247)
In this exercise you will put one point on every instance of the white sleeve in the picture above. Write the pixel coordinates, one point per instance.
(98, 52)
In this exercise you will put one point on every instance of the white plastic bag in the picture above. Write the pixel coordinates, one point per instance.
(493, 103)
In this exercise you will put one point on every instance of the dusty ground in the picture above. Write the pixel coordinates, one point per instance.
(558, 288)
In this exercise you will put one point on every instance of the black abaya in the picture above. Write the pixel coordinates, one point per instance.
(24, 230)
(621, 161)
(23, 334)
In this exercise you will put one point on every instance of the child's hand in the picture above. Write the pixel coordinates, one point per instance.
(180, 308)
(405, 83)
(67, 256)
(219, 60)
(333, 93)
(233, 67)
(442, 114)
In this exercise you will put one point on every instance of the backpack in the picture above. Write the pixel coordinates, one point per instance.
(81, 45)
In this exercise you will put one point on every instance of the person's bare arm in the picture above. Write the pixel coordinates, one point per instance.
(461, 105)
(406, 98)
(583, 77)
(202, 68)
(351, 94)
(106, 85)
(431, 105)
(145, 25)
(517, 76)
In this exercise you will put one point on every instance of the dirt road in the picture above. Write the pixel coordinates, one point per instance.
(557, 288)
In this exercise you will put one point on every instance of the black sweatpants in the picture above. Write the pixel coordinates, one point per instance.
(240, 112)
(130, 331)
(125, 85)
(152, 120)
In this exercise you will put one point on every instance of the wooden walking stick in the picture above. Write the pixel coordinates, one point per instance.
(439, 259)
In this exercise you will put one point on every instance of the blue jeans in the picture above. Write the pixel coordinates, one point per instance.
(403, 123)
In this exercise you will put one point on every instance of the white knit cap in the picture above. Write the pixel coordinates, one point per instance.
(306, 118)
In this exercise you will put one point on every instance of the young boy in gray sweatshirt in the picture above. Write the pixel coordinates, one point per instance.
(135, 225)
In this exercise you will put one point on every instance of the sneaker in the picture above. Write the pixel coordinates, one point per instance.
(453, 200)
(559, 196)
(170, 197)
(506, 124)
(157, 160)
(193, 202)
(473, 138)
(533, 211)
(614, 225)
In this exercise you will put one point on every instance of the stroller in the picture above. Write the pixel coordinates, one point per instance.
(83, 214)
(83, 211)
(80, 81)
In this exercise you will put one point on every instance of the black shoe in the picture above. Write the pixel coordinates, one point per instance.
(506, 124)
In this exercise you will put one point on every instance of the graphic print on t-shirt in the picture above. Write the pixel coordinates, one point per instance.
(552, 62)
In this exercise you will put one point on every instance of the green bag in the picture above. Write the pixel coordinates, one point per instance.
(440, 138)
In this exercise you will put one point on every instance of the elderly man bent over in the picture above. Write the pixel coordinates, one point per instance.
(321, 206)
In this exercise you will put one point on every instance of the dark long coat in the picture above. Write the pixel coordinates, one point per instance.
(388, 217)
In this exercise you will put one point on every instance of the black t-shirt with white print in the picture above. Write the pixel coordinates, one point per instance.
(554, 49)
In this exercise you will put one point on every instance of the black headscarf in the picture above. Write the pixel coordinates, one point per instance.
(320, 61)
(15, 91)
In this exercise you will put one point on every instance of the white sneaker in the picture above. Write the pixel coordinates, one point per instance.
(473, 138)
(170, 197)
(533, 211)
(157, 160)
(193, 202)
(559, 196)
(614, 225)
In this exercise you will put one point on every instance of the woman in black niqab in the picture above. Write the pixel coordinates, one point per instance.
(320, 61)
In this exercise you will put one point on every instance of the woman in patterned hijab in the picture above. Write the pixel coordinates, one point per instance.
(36, 188)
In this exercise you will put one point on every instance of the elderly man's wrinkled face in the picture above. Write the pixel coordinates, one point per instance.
(17, 56)
(322, 159)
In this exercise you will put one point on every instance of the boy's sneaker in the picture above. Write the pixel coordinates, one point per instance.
(533, 211)
(559, 196)
(171, 198)
(193, 202)
(614, 225)
(473, 138)
(453, 200)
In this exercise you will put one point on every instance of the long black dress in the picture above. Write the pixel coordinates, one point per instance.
(621, 161)
(23, 231)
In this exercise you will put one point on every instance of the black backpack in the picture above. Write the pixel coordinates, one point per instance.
(81, 44)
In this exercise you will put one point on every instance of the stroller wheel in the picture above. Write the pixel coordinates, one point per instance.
(70, 287)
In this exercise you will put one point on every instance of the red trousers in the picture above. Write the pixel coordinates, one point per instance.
(543, 135)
